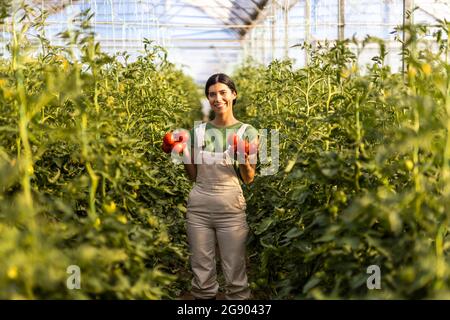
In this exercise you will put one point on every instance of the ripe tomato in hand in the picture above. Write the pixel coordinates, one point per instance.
(242, 146)
(167, 148)
(182, 136)
(233, 141)
(251, 148)
(169, 138)
(178, 147)
(246, 147)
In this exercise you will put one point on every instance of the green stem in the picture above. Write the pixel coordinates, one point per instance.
(103, 187)
(307, 97)
(446, 160)
(416, 148)
(92, 175)
(440, 258)
(329, 94)
(21, 104)
(97, 106)
(358, 142)
(92, 191)
(415, 155)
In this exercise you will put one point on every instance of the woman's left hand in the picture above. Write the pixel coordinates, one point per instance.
(248, 167)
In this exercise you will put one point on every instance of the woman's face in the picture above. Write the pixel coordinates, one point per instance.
(221, 98)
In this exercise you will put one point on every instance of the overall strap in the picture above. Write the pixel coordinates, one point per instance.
(241, 130)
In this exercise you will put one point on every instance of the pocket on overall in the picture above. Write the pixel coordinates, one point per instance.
(242, 202)
(229, 202)
(191, 199)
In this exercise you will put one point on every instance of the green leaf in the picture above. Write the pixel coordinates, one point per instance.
(312, 282)
(264, 225)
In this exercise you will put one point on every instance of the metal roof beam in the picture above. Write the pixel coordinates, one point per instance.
(217, 17)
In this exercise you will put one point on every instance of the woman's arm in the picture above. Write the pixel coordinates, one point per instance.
(247, 171)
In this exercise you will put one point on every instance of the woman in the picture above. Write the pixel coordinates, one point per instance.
(216, 205)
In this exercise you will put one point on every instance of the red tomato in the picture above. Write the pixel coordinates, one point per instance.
(251, 148)
(178, 147)
(182, 136)
(242, 146)
(247, 147)
(167, 148)
(169, 139)
(233, 141)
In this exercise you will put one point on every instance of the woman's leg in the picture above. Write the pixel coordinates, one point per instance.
(232, 235)
(202, 244)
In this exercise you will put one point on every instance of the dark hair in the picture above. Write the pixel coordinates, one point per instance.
(220, 78)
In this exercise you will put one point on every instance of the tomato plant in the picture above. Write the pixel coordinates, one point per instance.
(84, 181)
(363, 173)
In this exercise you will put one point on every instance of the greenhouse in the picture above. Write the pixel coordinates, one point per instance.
(331, 119)
(219, 35)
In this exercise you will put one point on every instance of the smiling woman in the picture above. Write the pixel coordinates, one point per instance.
(216, 205)
(221, 93)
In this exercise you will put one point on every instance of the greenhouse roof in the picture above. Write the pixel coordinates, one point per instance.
(209, 36)
(209, 32)
(228, 12)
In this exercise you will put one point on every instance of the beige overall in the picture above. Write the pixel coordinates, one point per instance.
(216, 210)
